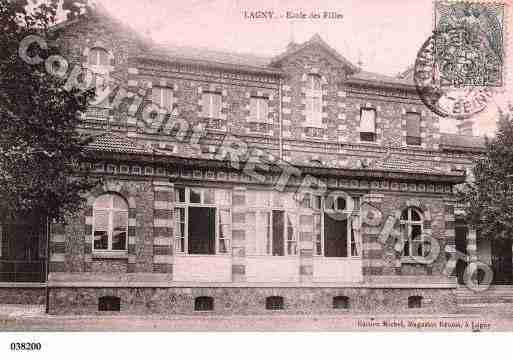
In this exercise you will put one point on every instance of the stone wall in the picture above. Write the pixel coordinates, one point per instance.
(241, 301)
(21, 295)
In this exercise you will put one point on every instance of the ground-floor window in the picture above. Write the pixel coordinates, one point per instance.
(274, 303)
(203, 220)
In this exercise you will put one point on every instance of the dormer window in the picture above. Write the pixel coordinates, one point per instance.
(368, 124)
(98, 57)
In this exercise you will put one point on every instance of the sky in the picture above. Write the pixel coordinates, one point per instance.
(383, 35)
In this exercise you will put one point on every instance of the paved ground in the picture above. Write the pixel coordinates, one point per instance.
(22, 318)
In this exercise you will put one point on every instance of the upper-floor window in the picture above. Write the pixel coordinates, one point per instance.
(203, 220)
(259, 109)
(211, 105)
(110, 223)
(411, 232)
(162, 97)
(98, 57)
(368, 124)
(314, 101)
(413, 129)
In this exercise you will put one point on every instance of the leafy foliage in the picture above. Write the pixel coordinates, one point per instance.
(489, 197)
(39, 142)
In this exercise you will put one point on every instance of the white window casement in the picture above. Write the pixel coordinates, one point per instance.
(368, 124)
(110, 223)
(271, 224)
(203, 220)
(162, 97)
(211, 105)
(259, 109)
(313, 101)
(411, 232)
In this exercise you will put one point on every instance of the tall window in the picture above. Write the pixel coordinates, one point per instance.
(203, 220)
(259, 109)
(411, 232)
(314, 101)
(162, 97)
(271, 223)
(341, 224)
(98, 57)
(211, 105)
(368, 124)
(110, 223)
(413, 129)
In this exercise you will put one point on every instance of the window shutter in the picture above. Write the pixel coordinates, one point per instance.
(205, 108)
(368, 120)
(216, 113)
(413, 124)
(253, 102)
(156, 93)
(168, 99)
(264, 110)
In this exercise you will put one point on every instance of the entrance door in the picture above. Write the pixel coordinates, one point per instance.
(501, 261)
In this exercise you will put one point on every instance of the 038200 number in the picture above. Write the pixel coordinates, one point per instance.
(25, 346)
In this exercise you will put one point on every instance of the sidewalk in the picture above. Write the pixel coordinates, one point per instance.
(23, 318)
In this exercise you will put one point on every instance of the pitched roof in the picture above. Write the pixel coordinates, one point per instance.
(109, 142)
(463, 142)
(379, 79)
(315, 39)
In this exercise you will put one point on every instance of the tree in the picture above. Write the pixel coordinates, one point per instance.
(40, 146)
(489, 196)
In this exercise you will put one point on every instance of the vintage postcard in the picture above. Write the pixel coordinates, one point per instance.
(227, 165)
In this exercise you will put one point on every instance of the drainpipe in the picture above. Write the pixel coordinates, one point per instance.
(280, 119)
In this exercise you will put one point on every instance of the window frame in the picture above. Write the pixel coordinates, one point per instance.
(373, 134)
(408, 224)
(210, 112)
(110, 227)
(353, 218)
(313, 98)
(162, 96)
(414, 140)
(269, 209)
(184, 237)
(262, 109)
(98, 63)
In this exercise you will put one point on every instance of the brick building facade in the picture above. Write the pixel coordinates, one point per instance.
(192, 222)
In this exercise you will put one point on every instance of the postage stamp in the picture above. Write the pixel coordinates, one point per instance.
(458, 67)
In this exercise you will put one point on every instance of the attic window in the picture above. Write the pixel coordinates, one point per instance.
(98, 57)
(313, 109)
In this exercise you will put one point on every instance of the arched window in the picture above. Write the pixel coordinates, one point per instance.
(110, 223)
(109, 303)
(415, 301)
(98, 57)
(411, 231)
(204, 304)
(340, 302)
(274, 303)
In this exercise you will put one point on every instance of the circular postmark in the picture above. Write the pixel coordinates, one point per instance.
(455, 73)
